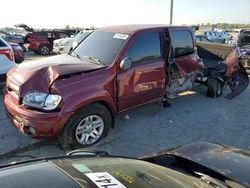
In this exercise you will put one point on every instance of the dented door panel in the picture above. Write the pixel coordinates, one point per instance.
(141, 84)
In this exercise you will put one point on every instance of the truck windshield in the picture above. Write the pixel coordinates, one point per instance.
(101, 45)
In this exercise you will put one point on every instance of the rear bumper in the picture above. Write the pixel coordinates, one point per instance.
(19, 58)
(33, 123)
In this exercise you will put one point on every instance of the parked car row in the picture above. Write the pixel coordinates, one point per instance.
(215, 36)
(12, 38)
(41, 41)
(17, 44)
(114, 69)
(7, 59)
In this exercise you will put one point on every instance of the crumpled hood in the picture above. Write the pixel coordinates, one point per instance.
(40, 74)
(231, 162)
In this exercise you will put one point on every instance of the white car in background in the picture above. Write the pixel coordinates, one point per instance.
(212, 36)
(7, 59)
(61, 46)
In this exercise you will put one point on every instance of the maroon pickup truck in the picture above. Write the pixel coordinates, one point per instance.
(77, 96)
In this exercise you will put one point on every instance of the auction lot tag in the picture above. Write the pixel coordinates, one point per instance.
(104, 180)
(121, 36)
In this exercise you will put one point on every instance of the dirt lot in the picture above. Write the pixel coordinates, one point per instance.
(191, 118)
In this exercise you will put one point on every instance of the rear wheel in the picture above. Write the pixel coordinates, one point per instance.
(214, 87)
(44, 49)
(87, 126)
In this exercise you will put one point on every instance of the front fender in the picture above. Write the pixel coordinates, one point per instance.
(78, 100)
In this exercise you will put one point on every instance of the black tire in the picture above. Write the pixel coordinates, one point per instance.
(68, 138)
(44, 49)
(214, 88)
(23, 47)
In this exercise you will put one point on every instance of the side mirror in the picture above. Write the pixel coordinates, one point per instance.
(126, 63)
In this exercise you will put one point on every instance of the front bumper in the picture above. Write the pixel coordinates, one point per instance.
(58, 49)
(34, 123)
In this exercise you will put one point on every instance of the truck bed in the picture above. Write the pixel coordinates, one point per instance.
(212, 53)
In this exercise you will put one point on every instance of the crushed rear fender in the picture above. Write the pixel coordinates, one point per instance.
(236, 75)
(238, 83)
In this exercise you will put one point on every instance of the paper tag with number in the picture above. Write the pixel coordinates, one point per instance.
(104, 180)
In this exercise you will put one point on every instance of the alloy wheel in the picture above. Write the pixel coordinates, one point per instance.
(89, 130)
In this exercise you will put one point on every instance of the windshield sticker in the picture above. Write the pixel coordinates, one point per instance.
(121, 36)
(81, 168)
(129, 179)
(104, 180)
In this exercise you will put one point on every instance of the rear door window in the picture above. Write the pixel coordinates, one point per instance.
(3, 35)
(61, 35)
(146, 48)
(2, 44)
(41, 34)
(182, 42)
(50, 35)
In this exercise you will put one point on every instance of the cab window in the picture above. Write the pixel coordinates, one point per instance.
(182, 43)
(146, 48)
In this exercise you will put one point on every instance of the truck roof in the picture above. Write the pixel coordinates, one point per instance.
(130, 29)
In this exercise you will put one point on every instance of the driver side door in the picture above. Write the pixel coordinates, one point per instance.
(144, 81)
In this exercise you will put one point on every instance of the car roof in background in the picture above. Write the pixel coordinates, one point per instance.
(3, 43)
(130, 29)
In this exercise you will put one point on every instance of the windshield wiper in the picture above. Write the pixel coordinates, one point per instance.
(76, 55)
(96, 61)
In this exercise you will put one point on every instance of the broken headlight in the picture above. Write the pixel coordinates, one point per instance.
(43, 101)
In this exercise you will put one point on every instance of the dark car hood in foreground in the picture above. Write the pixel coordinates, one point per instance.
(40, 74)
(230, 162)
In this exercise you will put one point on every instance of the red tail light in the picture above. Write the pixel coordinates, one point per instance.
(8, 53)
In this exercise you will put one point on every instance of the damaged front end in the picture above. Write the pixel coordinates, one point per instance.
(230, 73)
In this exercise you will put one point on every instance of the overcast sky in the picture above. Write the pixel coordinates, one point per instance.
(59, 13)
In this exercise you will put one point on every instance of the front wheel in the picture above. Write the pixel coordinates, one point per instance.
(87, 126)
(214, 88)
(44, 50)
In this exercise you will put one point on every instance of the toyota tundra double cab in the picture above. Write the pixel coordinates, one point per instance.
(76, 96)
